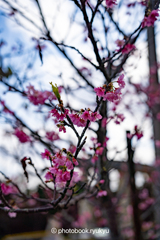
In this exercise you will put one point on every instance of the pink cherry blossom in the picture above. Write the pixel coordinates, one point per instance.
(85, 115)
(61, 128)
(119, 118)
(39, 97)
(125, 49)
(61, 166)
(57, 115)
(69, 165)
(143, 2)
(49, 176)
(149, 21)
(110, 3)
(75, 161)
(23, 137)
(112, 96)
(74, 117)
(65, 176)
(128, 48)
(99, 91)
(46, 154)
(52, 136)
(35, 96)
(6, 189)
(138, 133)
(95, 116)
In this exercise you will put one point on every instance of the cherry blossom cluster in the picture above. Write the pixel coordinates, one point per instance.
(149, 20)
(111, 93)
(59, 118)
(62, 164)
(38, 97)
(79, 118)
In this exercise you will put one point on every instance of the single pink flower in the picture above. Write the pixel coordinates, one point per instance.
(99, 91)
(69, 165)
(46, 154)
(65, 176)
(85, 115)
(75, 118)
(95, 116)
(49, 176)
